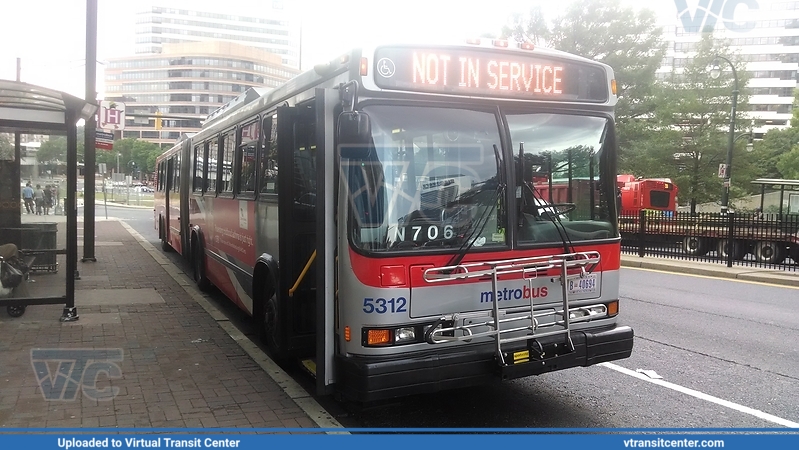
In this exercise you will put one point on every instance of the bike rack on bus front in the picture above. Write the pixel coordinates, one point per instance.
(570, 266)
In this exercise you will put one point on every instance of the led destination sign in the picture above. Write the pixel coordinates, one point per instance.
(488, 73)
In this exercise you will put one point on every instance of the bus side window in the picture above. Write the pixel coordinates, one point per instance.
(246, 157)
(228, 151)
(268, 170)
(176, 173)
(210, 174)
(199, 159)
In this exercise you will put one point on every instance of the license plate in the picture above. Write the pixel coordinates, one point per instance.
(586, 285)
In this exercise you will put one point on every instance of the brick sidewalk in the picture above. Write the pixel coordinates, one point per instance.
(180, 368)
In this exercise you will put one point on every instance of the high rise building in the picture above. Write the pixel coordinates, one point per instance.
(172, 92)
(190, 63)
(764, 34)
(274, 30)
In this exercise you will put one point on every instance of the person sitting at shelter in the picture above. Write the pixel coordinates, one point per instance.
(10, 255)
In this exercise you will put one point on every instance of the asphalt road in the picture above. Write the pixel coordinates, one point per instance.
(727, 352)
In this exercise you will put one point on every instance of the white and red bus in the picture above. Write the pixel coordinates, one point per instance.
(374, 218)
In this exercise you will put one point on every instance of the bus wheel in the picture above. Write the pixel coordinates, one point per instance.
(739, 249)
(695, 246)
(198, 268)
(769, 252)
(271, 329)
(162, 234)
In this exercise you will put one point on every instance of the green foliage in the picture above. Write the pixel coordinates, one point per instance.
(700, 106)
(55, 148)
(632, 44)
(131, 151)
(678, 128)
(788, 164)
(768, 151)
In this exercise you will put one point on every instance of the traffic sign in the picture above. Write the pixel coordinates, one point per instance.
(103, 140)
(722, 170)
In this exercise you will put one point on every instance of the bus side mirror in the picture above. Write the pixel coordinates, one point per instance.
(354, 134)
(354, 126)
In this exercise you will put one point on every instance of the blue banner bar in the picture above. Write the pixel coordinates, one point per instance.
(396, 439)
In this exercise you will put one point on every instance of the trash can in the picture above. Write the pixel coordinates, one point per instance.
(40, 241)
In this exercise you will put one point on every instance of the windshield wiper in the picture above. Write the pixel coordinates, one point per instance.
(483, 220)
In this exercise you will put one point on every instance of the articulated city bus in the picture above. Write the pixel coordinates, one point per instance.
(376, 216)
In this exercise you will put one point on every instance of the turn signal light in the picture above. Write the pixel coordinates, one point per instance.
(613, 86)
(377, 337)
(364, 67)
(347, 335)
(613, 308)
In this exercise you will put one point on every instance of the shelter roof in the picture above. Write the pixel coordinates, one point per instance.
(28, 108)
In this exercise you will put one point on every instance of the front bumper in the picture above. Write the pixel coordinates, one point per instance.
(372, 378)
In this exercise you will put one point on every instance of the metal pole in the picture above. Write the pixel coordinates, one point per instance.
(89, 133)
(70, 312)
(725, 194)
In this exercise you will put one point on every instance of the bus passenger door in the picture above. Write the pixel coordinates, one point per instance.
(169, 184)
(296, 141)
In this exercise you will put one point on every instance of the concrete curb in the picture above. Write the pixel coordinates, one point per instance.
(121, 205)
(782, 278)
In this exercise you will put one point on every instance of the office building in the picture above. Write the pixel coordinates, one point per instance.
(765, 35)
(274, 30)
(179, 86)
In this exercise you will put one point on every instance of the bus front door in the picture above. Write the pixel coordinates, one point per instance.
(296, 141)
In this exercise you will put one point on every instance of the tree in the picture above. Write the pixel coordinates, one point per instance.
(699, 106)
(788, 164)
(629, 41)
(55, 149)
(141, 153)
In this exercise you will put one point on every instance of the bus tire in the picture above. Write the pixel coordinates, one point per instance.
(198, 266)
(770, 252)
(695, 246)
(739, 249)
(162, 235)
(271, 328)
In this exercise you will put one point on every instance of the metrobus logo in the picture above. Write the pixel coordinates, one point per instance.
(505, 294)
(707, 13)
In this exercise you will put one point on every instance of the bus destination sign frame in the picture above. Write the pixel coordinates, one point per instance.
(487, 73)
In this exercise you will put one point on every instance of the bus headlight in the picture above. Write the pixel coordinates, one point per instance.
(587, 313)
(407, 334)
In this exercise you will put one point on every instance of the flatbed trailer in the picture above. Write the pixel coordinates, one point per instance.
(769, 238)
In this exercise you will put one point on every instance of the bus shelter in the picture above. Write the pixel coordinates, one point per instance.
(788, 191)
(47, 237)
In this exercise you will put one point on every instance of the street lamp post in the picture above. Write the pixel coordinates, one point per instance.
(715, 72)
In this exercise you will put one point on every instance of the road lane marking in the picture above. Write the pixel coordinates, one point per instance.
(702, 396)
(709, 277)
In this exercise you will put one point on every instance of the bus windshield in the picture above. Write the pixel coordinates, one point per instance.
(567, 166)
(430, 179)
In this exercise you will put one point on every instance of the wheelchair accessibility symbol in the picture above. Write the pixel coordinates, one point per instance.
(386, 68)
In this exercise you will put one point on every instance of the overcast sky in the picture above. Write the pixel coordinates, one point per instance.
(49, 35)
